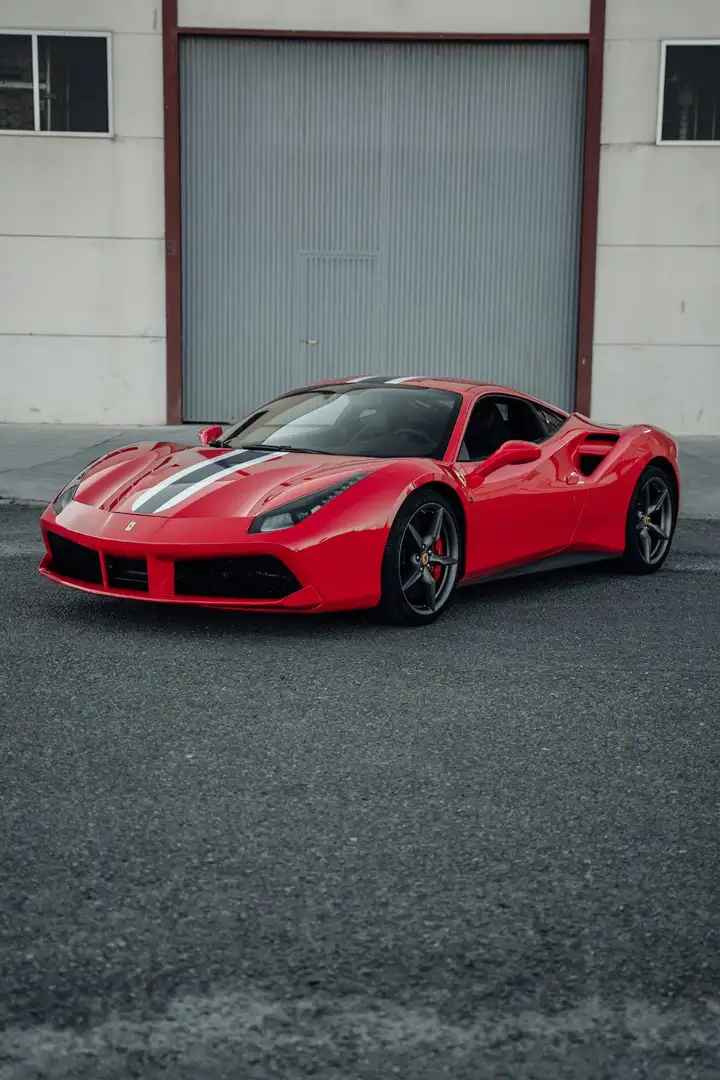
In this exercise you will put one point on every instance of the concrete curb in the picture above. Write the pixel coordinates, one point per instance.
(24, 504)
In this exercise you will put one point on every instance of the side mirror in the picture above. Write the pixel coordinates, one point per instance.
(210, 434)
(514, 452)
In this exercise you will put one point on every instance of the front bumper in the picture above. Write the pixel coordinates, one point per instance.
(170, 560)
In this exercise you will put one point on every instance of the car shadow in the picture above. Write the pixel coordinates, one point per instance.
(515, 589)
(122, 615)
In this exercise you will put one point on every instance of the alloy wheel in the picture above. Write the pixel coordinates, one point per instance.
(654, 520)
(428, 558)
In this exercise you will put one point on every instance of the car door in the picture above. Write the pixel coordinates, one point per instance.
(519, 513)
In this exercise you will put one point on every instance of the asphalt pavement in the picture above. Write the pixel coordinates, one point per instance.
(245, 847)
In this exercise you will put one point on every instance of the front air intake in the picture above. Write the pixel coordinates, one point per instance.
(74, 561)
(249, 577)
(130, 574)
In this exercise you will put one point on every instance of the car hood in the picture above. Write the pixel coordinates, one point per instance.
(180, 481)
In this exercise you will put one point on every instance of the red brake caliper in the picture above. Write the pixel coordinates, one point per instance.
(437, 547)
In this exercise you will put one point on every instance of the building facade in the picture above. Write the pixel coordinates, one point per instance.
(206, 202)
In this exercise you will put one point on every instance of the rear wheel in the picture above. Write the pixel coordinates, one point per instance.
(650, 523)
(421, 561)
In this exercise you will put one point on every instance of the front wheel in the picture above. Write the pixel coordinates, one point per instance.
(421, 561)
(651, 520)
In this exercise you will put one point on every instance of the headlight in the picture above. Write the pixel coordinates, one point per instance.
(293, 513)
(68, 492)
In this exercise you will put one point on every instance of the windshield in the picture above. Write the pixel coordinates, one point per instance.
(364, 422)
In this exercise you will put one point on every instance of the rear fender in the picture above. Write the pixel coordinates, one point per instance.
(609, 488)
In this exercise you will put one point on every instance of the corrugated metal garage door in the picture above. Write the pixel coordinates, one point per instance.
(377, 208)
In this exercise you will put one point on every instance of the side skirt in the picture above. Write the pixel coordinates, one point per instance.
(553, 562)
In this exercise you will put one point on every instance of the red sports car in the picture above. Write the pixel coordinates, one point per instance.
(362, 493)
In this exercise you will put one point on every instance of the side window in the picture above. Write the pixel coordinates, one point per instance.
(524, 422)
(553, 421)
(487, 429)
(495, 421)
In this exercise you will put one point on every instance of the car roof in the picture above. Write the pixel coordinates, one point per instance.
(458, 386)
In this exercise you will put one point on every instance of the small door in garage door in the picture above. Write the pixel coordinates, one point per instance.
(340, 311)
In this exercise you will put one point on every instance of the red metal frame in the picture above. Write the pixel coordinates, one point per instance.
(173, 264)
(595, 40)
(371, 35)
(590, 201)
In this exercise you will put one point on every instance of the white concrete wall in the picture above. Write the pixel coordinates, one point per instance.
(657, 324)
(82, 270)
(391, 16)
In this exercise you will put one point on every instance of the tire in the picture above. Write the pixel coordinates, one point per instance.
(651, 521)
(424, 543)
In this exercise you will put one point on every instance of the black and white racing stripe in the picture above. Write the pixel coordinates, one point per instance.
(383, 380)
(181, 485)
(368, 380)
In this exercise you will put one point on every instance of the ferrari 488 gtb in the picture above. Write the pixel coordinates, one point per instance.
(361, 493)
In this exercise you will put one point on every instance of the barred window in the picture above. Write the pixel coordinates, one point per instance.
(690, 92)
(55, 82)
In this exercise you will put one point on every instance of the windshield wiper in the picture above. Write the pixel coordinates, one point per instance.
(279, 446)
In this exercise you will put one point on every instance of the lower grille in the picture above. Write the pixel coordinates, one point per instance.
(74, 561)
(127, 573)
(256, 577)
